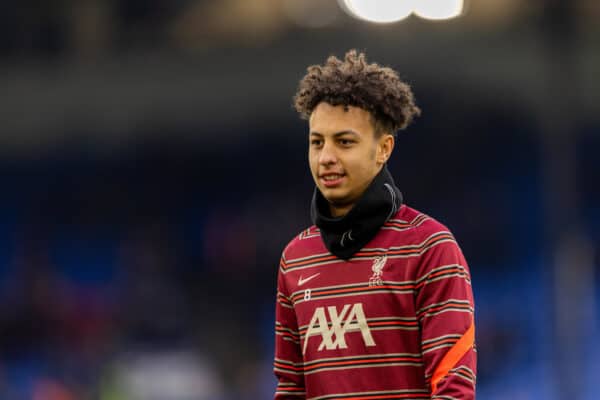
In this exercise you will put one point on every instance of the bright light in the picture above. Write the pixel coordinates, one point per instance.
(381, 11)
(438, 9)
(385, 11)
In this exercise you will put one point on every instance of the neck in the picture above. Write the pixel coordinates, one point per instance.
(348, 227)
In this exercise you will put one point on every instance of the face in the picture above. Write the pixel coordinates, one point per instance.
(344, 153)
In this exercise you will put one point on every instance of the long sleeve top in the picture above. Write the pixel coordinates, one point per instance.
(395, 321)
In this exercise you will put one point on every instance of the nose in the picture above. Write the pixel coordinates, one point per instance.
(327, 155)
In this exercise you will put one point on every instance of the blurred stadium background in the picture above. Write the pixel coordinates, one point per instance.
(153, 168)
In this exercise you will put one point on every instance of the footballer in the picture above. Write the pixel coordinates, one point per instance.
(374, 300)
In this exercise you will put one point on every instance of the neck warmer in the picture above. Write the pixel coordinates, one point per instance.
(344, 236)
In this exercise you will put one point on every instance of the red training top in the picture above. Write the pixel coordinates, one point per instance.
(393, 322)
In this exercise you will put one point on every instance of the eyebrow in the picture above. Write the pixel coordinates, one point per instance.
(337, 134)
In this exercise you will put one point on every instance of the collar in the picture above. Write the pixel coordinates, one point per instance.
(344, 236)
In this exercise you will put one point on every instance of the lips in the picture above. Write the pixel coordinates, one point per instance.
(330, 180)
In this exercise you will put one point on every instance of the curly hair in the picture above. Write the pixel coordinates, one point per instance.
(354, 82)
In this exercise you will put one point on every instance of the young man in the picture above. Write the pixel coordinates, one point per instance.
(374, 300)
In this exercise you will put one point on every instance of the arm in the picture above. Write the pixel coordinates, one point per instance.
(444, 303)
(288, 365)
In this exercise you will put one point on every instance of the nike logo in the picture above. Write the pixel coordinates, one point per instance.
(303, 281)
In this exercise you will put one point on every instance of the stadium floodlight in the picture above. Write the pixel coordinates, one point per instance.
(379, 11)
(438, 9)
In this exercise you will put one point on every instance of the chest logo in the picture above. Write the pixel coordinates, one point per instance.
(377, 268)
(333, 330)
(303, 281)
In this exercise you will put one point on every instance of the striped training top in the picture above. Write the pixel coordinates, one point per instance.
(393, 322)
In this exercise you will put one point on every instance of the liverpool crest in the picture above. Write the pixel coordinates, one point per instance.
(378, 264)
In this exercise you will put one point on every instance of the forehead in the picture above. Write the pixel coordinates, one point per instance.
(327, 118)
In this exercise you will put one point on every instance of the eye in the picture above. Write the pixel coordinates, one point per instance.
(316, 142)
(346, 142)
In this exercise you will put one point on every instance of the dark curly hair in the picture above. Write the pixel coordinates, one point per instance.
(354, 82)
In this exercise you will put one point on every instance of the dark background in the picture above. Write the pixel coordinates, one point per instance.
(153, 169)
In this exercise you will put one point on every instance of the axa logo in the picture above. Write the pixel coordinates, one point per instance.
(332, 326)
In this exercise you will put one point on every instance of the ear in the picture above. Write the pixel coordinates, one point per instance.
(385, 146)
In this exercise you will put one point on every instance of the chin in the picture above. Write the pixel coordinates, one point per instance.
(337, 199)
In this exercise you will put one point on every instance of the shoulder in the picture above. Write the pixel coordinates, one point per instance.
(428, 239)
(304, 244)
(412, 233)
(415, 224)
